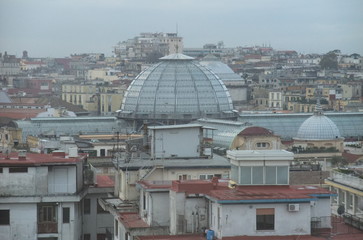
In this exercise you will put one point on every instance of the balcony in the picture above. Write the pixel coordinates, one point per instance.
(349, 180)
(48, 227)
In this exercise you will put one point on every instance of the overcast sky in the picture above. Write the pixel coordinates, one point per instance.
(58, 28)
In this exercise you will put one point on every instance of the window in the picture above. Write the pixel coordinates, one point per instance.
(86, 236)
(127, 236)
(47, 213)
(270, 175)
(101, 236)
(282, 175)
(257, 175)
(18, 170)
(102, 152)
(263, 145)
(245, 175)
(116, 228)
(66, 212)
(265, 219)
(4, 217)
(205, 176)
(86, 206)
(184, 177)
(1, 170)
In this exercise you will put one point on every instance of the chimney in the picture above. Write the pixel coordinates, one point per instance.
(22, 155)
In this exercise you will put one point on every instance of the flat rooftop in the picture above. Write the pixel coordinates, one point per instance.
(36, 159)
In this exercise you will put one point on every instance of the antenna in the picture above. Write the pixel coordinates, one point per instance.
(177, 28)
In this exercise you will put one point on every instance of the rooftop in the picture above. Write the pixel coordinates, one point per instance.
(287, 125)
(217, 189)
(145, 161)
(36, 159)
(176, 88)
(132, 220)
(247, 194)
(104, 181)
(339, 231)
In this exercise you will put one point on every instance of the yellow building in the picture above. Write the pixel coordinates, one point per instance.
(101, 74)
(111, 98)
(300, 107)
(10, 138)
(256, 138)
(81, 94)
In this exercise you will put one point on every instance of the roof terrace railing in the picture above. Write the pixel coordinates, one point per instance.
(346, 179)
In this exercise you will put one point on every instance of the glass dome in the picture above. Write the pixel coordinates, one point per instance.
(176, 88)
(223, 71)
(318, 127)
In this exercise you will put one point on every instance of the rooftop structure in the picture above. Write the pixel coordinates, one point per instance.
(268, 208)
(70, 125)
(176, 89)
(239, 135)
(318, 127)
(222, 70)
(349, 124)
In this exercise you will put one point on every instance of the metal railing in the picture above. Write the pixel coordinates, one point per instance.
(48, 227)
(346, 179)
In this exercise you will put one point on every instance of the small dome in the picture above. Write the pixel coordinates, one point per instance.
(318, 127)
(176, 88)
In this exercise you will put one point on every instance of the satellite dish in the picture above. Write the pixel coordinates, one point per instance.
(341, 209)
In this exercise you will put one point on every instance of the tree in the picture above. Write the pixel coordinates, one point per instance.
(329, 61)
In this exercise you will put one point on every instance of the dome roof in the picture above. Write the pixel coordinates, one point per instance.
(222, 70)
(177, 88)
(318, 127)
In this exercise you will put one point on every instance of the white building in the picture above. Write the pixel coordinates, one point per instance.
(44, 197)
(258, 202)
(41, 196)
(348, 185)
(146, 43)
(175, 152)
(275, 100)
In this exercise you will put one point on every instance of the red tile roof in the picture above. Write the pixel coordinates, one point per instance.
(20, 113)
(351, 158)
(132, 220)
(292, 237)
(219, 190)
(173, 237)
(104, 181)
(254, 131)
(155, 184)
(36, 159)
(198, 186)
(267, 192)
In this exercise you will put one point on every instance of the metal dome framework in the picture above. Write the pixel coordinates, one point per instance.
(318, 127)
(177, 88)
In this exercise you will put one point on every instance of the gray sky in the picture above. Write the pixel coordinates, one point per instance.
(58, 28)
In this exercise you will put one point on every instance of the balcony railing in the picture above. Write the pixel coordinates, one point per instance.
(355, 221)
(346, 179)
(48, 227)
